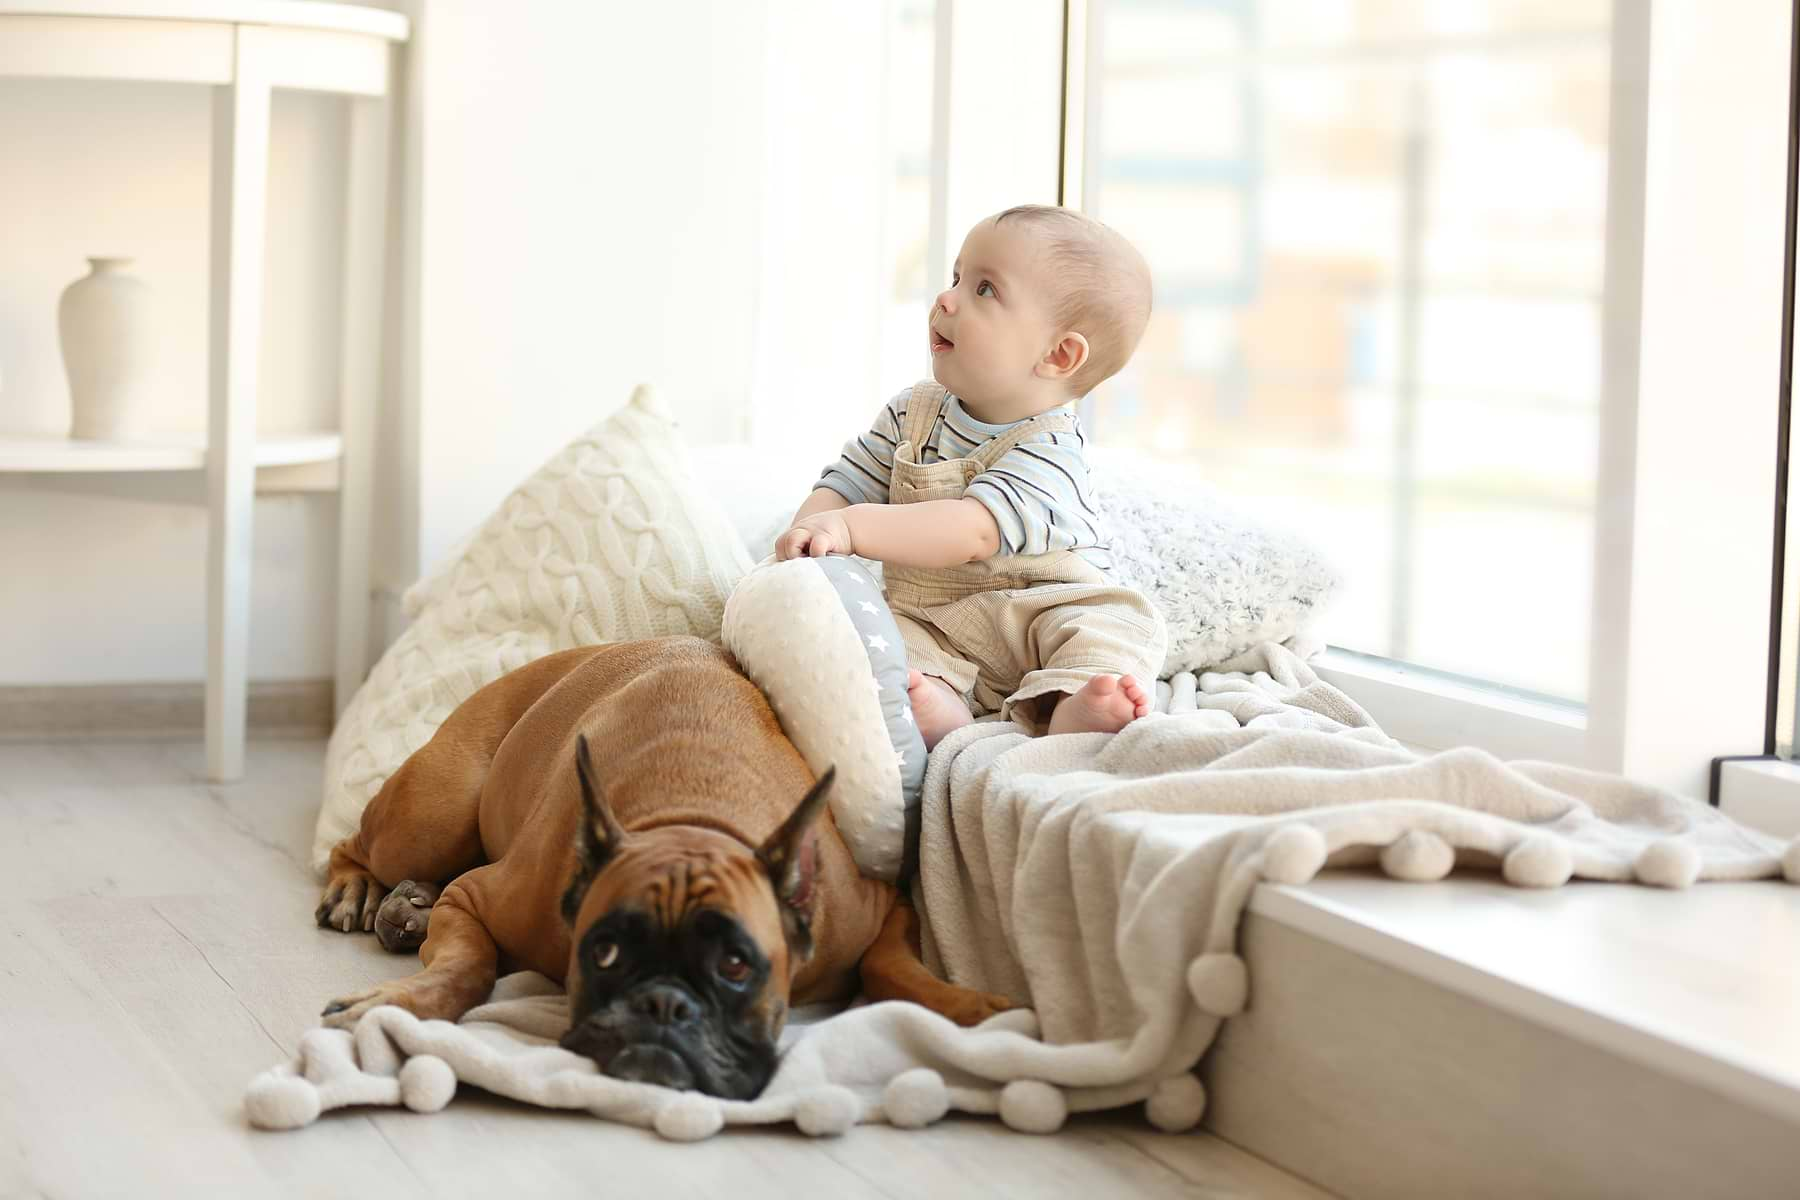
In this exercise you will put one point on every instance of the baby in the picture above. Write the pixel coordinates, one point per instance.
(972, 488)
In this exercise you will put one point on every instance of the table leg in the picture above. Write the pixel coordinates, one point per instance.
(359, 389)
(240, 181)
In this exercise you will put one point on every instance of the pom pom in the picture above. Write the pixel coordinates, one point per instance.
(1030, 1106)
(376, 1053)
(1668, 863)
(1177, 1104)
(827, 1111)
(1790, 862)
(1540, 861)
(1294, 854)
(568, 1089)
(278, 1101)
(690, 1117)
(1220, 984)
(1418, 857)
(644, 399)
(916, 1098)
(426, 1083)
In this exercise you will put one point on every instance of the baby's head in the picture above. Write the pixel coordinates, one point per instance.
(1044, 304)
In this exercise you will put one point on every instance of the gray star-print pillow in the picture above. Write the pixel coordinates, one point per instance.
(867, 608)
(816, 635)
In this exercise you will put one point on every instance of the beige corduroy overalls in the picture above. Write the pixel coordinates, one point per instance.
(1010, 628)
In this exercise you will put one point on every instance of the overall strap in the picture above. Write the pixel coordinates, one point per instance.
(991, 451)
(922, 409)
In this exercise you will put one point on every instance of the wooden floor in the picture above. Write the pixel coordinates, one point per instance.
(160, 951)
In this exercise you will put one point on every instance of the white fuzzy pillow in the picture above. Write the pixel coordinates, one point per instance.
(611, 540)
(1223, 581)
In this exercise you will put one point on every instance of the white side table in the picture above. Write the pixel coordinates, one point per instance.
(243, 49)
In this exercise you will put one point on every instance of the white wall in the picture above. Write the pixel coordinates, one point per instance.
(591, 207)
(1695, 641)
(817, 376)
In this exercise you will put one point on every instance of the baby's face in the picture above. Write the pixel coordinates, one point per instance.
(992, 325)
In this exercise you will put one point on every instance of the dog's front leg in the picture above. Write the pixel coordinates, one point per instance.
(460, 961)
(893, 970)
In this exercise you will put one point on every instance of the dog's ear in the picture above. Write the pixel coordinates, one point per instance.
(598, 838)
(791, 858)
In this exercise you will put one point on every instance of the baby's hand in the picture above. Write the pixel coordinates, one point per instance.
(818, 535)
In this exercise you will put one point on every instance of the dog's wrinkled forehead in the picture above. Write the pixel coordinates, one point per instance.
(671, 877)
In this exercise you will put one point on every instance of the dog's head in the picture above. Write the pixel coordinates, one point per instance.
(684, 943)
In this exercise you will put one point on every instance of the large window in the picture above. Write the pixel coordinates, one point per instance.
(1378, 233)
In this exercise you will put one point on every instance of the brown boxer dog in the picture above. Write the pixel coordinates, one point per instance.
(628, 819)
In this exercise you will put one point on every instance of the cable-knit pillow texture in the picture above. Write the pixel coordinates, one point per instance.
(611, 540)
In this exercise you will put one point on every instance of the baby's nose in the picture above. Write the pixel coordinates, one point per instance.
(947, 301)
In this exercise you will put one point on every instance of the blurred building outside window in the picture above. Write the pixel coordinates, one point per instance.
(1377, 229)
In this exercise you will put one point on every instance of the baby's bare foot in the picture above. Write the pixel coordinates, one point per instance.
(1106, 704)
(936, 708)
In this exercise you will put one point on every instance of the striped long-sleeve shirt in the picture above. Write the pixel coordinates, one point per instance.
(1039, 491)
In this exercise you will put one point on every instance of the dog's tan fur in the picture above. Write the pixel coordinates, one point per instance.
(697, 772)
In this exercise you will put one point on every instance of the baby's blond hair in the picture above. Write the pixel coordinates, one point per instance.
(1103, 287)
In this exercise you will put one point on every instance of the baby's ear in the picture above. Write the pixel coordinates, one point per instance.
(1067, 356)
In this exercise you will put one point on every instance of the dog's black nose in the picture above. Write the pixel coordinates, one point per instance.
(665, 1004)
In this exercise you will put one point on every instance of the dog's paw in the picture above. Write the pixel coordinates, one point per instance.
(346, 1011)
(968, 1007)
(405, 916)
(350, 902)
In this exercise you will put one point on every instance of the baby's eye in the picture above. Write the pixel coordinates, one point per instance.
(955, 279)
(985, 284)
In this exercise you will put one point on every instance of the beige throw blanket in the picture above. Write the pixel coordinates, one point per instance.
(1102, 880)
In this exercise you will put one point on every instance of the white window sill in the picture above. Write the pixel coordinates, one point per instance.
(1696, 984)
(1426, 710)
(1763, 794)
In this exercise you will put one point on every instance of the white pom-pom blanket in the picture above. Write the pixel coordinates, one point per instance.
(1101, 879)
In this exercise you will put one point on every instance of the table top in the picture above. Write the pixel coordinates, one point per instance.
(297, 14)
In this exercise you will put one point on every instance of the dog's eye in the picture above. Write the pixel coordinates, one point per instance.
(734, 969)
(606, 954)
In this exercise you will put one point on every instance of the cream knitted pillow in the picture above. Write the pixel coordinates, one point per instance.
(611, 540)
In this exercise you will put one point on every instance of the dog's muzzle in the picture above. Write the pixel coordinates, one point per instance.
(648, 1036)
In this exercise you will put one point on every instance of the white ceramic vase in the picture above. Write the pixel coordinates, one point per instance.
(104, 323)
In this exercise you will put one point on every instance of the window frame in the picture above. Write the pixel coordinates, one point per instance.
(1679, 254)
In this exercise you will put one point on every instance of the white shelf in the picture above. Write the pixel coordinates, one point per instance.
(294, 14)
(158, 452)
(245, 51)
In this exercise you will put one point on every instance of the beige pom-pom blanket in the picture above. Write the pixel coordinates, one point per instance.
(1101, 879)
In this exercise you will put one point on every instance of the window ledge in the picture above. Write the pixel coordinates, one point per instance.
(1434, 712)
(1763, 793)
(1695, 984)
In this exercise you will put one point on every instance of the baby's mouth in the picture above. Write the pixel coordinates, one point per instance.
(940, 344)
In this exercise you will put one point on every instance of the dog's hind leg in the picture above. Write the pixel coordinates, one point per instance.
(424, 824)
(892, 970)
